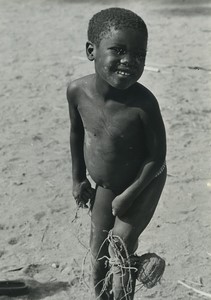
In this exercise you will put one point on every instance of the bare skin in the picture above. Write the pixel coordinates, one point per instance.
(117, 134)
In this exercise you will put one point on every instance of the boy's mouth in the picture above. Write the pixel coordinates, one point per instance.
(124, 73)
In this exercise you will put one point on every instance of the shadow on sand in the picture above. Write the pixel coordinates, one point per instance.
(189, 11)
(185, 2)
(164, 2)
(107, 2)
(39, 290)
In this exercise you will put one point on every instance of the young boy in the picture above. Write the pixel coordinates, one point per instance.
(118, 136)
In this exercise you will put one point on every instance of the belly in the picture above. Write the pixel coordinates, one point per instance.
(111, 163)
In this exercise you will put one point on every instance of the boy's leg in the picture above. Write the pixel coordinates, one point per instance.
(102, 221)
(127, 229)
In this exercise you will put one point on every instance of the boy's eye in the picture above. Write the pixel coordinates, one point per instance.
(119, 51)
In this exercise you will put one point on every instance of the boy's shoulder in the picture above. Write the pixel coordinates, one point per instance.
(144, 96)
(78, 86)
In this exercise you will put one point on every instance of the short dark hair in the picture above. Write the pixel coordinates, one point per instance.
(100, 24)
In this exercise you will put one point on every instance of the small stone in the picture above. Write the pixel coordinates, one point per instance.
(18, 77)
(2, 227)
(55, 265)
(13, 241)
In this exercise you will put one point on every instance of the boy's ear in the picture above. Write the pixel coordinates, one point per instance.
(90, 50)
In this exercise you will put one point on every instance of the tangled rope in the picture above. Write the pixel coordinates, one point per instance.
(148, 268)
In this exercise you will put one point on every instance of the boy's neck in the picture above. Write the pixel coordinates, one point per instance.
(106, 91)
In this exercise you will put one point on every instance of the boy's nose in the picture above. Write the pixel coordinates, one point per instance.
(127, 59)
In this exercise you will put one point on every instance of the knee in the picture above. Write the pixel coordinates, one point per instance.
(115, 247)
(120, 248)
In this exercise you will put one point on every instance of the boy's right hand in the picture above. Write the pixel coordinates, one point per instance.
(83, 192)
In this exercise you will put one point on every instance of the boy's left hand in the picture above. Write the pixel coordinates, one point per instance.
(120, 205)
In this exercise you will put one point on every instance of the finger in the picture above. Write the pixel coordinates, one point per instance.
(84, 199)
(86, 194)
(82, 205)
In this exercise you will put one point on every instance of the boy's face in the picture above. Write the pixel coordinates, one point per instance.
(120, 57)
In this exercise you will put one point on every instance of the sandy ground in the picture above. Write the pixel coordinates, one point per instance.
(42, 48)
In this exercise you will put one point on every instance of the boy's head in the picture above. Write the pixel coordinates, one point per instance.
(116, 18)
(117, 45)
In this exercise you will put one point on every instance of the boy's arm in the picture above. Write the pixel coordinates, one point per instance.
(82, 190)
(156, 145)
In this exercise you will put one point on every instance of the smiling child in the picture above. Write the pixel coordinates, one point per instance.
(118, 136)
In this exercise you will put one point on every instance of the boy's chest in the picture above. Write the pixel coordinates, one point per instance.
(114, 120)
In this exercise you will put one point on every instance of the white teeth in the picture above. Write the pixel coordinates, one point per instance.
(123, 73)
